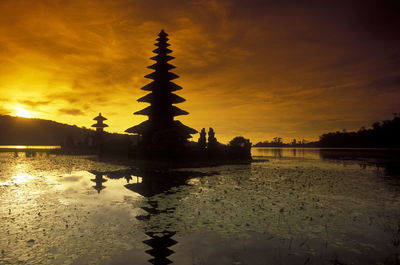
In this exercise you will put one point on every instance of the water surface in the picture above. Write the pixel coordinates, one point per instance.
(302, 206)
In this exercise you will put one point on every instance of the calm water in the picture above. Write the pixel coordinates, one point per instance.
(29, 147)
(302, 206)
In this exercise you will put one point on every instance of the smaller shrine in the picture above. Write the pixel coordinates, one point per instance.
(100, 125)
(99, 135)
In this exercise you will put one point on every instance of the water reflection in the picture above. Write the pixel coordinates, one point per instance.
(391, 168)
(388, 160)
(98, 180)
(20, 175)
(160, 243)
(276, 205)
(286, 152)
(156, 182)
(149, 183)
(35, 147)
(19, 178)
(25, 153)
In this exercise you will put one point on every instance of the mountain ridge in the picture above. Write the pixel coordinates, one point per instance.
(16, 130)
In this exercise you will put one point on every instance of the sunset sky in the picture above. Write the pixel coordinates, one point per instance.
(257, 68)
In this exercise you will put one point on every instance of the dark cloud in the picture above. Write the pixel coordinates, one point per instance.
(385, 84)
(379, 18)
(73, 112)
(34, 104)
(83, 98)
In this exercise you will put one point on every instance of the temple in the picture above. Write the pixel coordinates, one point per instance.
(161, 127)
(99, 125)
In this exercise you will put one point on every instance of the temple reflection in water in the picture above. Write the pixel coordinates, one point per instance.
(149, 183)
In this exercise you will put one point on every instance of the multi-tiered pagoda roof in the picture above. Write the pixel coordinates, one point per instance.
(100, 125)
(161, 98)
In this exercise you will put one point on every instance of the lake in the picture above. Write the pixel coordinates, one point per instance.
(293, 206)
(6, 148)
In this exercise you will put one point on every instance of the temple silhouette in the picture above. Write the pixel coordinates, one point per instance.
(162, 136)
(99, 125)
(98, 136)
(161, 127)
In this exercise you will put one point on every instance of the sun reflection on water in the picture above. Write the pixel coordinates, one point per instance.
(21, 178)
(18, 179)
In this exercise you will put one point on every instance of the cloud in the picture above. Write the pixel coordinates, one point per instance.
(260, 67)
(34, 104)
(73, 112)
(4, 111)
(387, 83)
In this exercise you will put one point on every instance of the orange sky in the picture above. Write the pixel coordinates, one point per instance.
(257, 68)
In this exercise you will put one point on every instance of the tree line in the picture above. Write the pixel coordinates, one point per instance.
(278, 142)
(384, 134)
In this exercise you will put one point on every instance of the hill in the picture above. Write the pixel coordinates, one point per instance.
(24, 131)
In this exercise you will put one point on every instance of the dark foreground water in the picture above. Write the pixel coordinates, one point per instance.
(303, 206)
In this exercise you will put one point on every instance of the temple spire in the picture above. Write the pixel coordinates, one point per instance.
(162, 111)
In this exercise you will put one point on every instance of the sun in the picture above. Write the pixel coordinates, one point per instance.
(21, 112)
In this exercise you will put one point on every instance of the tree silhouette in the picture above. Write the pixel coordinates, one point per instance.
(240, 141)
(382, 134)
(240, 147)
(202, 139)
(161, 126)
(212, 141)
(277, 140)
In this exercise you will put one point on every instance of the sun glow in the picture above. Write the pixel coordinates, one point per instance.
(18, 179)
(21, 112)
